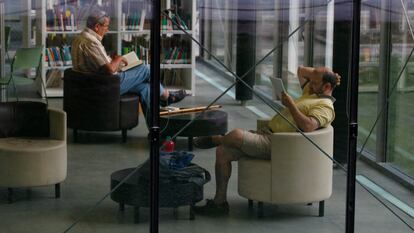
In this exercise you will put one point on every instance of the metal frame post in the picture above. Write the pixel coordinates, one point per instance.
(353, 113)
(309, 34)
(154, 117)
(384, 75)
(3, 88)
(246, 48)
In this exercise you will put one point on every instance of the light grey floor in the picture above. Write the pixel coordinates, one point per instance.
(91, 162)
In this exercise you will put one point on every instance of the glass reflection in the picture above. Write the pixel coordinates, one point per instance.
(400, 152)
(287, 34)
(368, 73)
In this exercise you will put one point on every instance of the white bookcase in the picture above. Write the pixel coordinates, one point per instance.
(127, 32)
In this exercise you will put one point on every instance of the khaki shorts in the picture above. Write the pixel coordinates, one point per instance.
(254, 144)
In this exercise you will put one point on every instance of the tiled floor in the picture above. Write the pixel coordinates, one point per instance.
(97, 155)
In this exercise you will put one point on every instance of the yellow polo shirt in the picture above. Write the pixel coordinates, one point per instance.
(319, 107)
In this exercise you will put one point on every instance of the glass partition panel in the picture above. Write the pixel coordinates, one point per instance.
(213, 176)
(369, 74)
(64, 183)
(259, 42)
(400, 152)
(385, 48)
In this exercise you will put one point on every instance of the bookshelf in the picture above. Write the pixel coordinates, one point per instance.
(178, 50)
(59, 21)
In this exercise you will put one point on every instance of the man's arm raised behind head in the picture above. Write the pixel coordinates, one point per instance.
(305, 74)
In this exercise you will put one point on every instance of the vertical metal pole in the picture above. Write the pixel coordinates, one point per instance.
(26, 19)
(3, 88)
(154, 117)
(330, 20)
(201, 30)
(340, 64)
(207, 28)
(228, 34)
(383, 82)
(279, 33)
(353, 113)
(246, 48)
(309, 34)
(293, 42)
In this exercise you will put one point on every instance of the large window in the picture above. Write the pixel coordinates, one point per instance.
(233, 37)
(386, 84)
(369, 75)
(400, 151)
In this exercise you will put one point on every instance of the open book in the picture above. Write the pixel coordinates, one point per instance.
(278, 87)
(132, 60)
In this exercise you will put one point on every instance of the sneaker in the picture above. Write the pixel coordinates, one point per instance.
(174, 97)
(204, 142)
(212, 208)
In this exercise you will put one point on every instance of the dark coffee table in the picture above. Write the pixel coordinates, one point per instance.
(136, 194)
(211, 122)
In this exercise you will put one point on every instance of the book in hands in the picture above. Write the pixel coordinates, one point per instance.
(278, 87)
(132, 60)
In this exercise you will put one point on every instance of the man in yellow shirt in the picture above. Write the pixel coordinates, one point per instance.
(313, 110)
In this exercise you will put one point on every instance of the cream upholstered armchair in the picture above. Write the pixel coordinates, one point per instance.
(298, 172)
(32, 146)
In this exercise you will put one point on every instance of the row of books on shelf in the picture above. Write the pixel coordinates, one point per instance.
(174, 22)
(180, 22)
(52, 3)
(66, 15)
(133, 21)
(105, 4)
(142, 52)
(172, 77)
(65, 20)
(176, 55)
(61, 56)
(169, 77)
(58, 56)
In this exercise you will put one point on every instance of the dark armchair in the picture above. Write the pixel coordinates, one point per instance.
(93, 103)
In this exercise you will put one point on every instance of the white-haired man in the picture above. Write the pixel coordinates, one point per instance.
(89, 56)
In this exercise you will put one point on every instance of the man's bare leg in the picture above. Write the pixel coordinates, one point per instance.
(219, 204)
(223, 173)
(223, 162)
(233, 139)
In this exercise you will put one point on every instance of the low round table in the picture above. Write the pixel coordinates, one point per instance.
(136, 194)
(211, 122)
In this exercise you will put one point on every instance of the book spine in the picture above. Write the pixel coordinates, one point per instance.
(142, 20)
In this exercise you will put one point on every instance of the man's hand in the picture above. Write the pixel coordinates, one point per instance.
(306, 74)
(114, 65)
(287, 100)
(338, 79)
(120, 59)
(304, 123)
(124, 60)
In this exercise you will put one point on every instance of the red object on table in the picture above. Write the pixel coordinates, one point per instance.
(168, 145)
